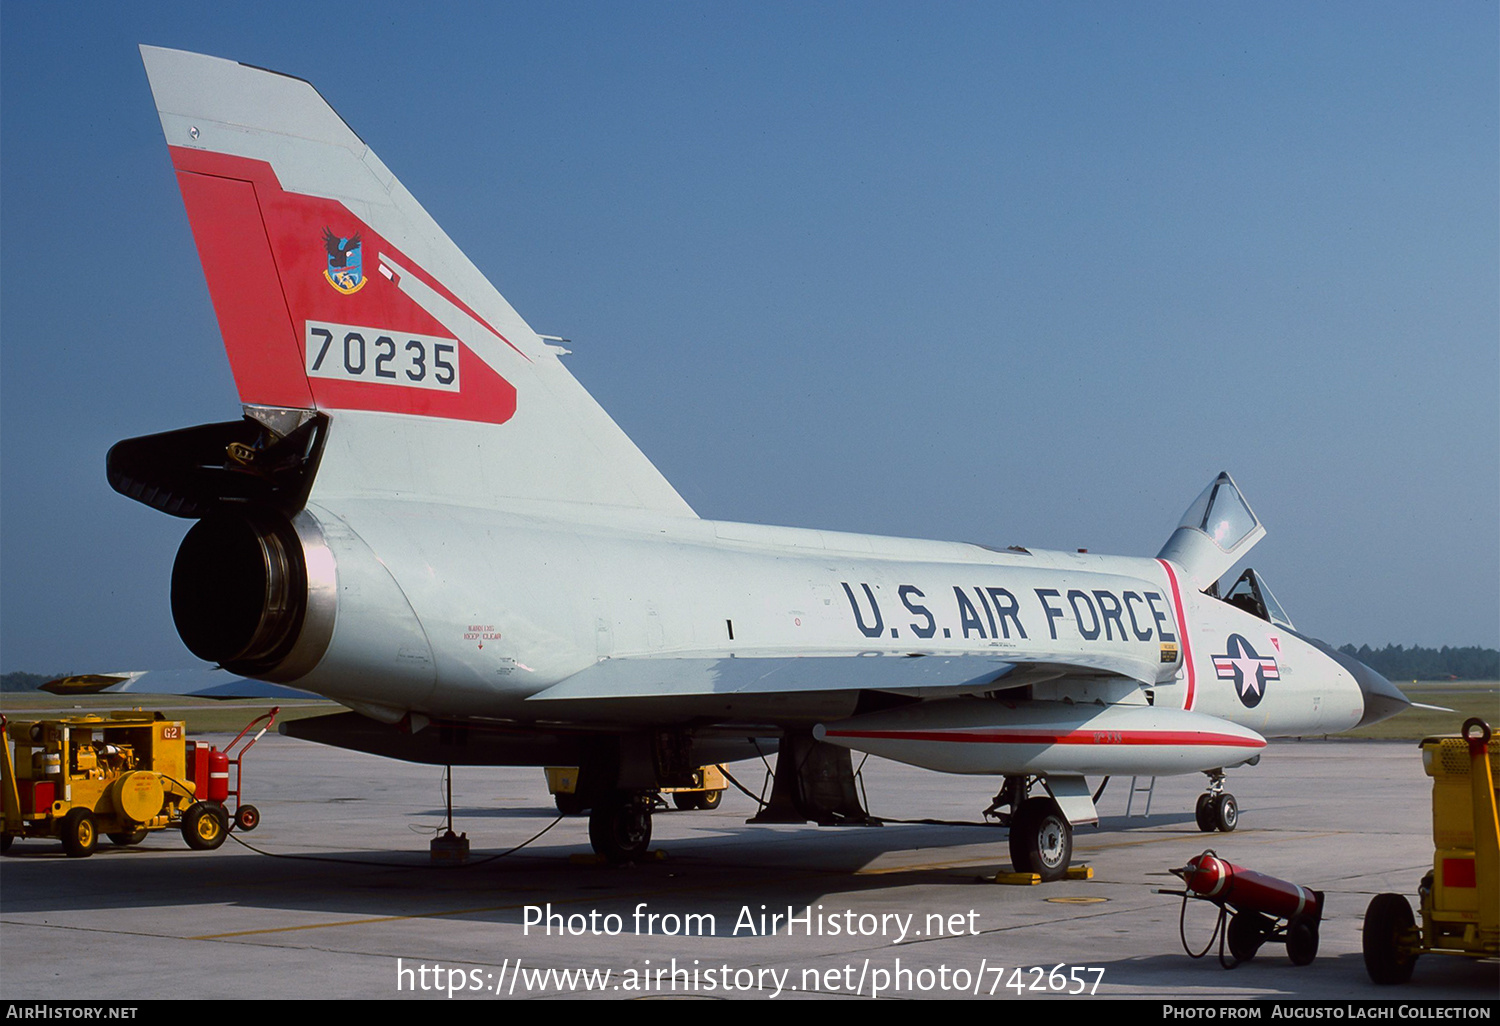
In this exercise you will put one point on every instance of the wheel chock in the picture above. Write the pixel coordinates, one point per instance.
(1032, 879)
(1018, 879)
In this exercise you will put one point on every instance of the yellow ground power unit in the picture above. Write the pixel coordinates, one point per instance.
(123, 775)
(704, 791)
(1460, 898)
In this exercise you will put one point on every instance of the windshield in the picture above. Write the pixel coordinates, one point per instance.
(1251, 594)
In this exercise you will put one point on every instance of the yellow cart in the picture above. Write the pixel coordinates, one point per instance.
(705, 791)
(1461, 896)
(121, 776)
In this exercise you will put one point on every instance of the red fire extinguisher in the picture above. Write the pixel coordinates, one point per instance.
(1258, 908)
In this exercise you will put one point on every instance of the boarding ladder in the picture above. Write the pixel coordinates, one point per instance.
(1136, 787)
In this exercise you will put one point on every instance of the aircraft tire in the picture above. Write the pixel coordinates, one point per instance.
(1226, 813)
(1203, 813)
(620, 828)
(1041, 839)
(80, 834)
(1387, 918)
(1247, 932)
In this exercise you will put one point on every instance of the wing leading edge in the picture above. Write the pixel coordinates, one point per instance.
(741, 675)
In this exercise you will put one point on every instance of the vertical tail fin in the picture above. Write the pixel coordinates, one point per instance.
(336, 291)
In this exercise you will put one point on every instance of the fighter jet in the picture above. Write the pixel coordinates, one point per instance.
(421, 514)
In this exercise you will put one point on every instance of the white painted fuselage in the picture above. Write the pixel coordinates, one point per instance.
(472, 612)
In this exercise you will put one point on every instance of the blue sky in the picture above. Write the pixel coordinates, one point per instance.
(1012, 273)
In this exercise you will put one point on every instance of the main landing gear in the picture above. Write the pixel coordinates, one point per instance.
(1216, 809)
(620, 826)
(1041, 838)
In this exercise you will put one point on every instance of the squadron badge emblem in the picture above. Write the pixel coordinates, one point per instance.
(345, 262)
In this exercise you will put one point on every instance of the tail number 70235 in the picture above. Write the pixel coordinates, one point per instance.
(378, 356)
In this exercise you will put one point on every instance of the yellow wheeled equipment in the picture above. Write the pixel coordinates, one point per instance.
(1461, 896)
(705, 791)
(122, 776)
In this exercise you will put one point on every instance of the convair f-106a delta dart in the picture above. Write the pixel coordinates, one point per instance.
(423, 516)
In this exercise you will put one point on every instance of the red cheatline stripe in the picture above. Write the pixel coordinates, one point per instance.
(1051, 737)
(1187, 649)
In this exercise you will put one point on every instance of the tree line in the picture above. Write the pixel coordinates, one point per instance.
(25, 681)
(1417, 663)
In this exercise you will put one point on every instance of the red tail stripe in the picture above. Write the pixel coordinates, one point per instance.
(262, 254)
(224, 165)
(442, 290)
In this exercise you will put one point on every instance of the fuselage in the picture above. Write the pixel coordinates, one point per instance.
(468, 612)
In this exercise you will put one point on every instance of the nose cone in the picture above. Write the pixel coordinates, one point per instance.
(1382, 698)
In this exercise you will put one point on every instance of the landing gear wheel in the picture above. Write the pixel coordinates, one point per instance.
(80, 834)
(1041, 840)
(1301, 941)
(1226, 813)
(1247, 932)
(204, 826)
(1387, 921)
(620, 828)
(685, 800)
(246, 818)
(126, 838)
(1204, 814)
(710, 800)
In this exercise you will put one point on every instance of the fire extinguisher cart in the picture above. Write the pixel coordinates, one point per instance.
(1460, 897)
(1253, 909)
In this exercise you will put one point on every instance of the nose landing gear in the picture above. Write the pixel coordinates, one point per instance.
(1216, 808)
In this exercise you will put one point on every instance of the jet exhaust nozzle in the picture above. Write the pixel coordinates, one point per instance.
(242, 596)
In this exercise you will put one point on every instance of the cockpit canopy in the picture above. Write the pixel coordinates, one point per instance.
(1221, 513)
(1217, 530)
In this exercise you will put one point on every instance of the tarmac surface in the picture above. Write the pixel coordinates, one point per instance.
(352, 907)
